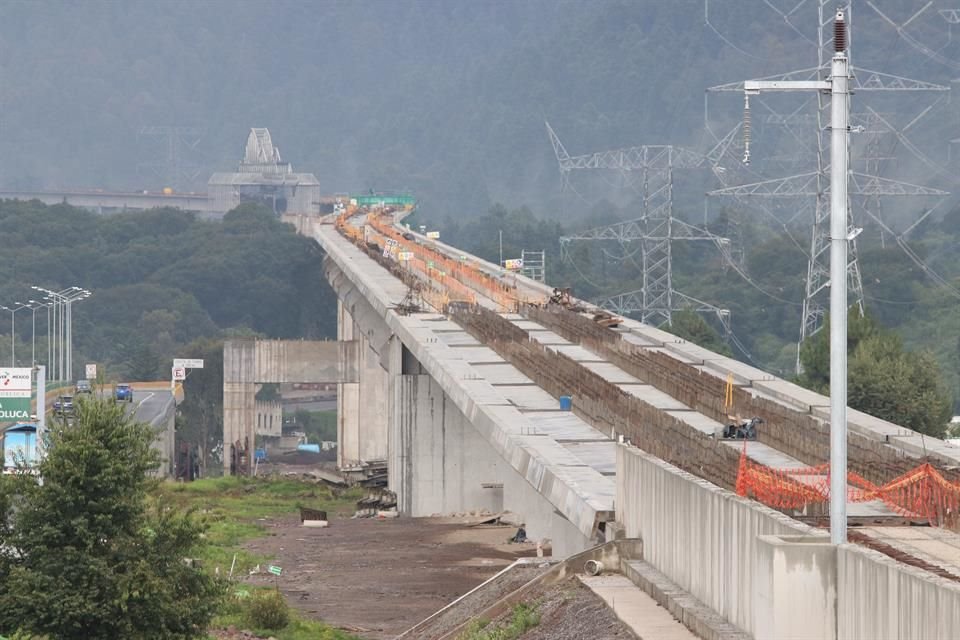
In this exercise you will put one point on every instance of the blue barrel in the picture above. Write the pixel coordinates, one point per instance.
(566, 403)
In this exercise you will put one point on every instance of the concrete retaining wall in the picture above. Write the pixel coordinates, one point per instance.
(882, 599)
(702, 537)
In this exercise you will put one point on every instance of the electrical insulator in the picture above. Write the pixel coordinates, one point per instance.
(746, 129)
(839, 33)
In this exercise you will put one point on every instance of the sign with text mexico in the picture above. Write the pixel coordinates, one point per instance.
(15, 386)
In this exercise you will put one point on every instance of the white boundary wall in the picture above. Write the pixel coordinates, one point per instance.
(702, 537)
(882, 599)
(706, 539)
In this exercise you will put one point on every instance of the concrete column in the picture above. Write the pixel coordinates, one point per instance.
(239, 412)
(394, 361)
(372, 405)
(794, 588)
(348, 402)
(441, 464)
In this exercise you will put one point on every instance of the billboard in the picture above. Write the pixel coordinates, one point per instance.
(15, 381)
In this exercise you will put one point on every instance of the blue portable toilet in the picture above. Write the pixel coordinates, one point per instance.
(566, 403)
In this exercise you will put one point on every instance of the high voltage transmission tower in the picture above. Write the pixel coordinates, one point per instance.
(176, 143)
(649, 169)
(814, 185)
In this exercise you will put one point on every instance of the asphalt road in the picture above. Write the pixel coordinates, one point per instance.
(150, 406)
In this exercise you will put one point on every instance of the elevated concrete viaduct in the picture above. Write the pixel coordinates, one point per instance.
(462, 401)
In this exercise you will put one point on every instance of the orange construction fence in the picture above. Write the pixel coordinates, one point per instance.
(921, 493)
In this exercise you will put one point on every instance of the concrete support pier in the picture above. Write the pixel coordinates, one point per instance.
(248, 362)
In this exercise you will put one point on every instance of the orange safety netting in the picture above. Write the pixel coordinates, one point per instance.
(922, 492)
(451, 274)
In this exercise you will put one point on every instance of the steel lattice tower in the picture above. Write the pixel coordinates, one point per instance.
(814, 184)
(651, 168)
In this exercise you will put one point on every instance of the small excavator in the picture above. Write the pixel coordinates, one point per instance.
(741, 429)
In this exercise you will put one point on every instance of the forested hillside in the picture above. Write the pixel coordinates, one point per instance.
(160, 280)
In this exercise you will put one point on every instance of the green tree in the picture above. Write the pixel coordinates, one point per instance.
(85, 555)
(884, 379)
(200, 415)
(815, 352)
(900, 386)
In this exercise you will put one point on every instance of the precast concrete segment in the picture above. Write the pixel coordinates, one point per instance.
(795, 588)
(583, 496)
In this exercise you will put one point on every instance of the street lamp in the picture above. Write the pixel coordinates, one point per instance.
(63, 317)
(34, 305)
(13, 328)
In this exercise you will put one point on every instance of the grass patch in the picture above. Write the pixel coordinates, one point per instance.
(523, 618)
(233, 508)
(299, 628)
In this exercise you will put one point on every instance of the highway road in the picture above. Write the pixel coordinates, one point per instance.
(150, 406)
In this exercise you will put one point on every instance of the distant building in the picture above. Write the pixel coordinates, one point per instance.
(263, 177)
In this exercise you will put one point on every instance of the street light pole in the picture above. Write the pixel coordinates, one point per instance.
(34, 305)
(840, 235)
(13, 329)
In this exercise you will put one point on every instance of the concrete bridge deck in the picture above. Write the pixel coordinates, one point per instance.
(566, 447)
(470, 424)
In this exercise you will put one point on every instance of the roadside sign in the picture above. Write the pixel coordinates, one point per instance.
(14, 409)
(188, 363)
(179, 373)
(514, 264)
(91, 371)
(16, 379)
(275, 570)
(433, 235)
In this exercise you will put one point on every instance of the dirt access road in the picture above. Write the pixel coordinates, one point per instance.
(380, 577)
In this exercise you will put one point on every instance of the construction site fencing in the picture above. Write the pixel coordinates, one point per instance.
(922, 493)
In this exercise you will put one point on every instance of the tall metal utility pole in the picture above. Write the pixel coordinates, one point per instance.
(840, 237)
(650, 168)
(814, 184)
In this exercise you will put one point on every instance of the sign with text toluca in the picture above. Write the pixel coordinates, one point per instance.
(14, 409)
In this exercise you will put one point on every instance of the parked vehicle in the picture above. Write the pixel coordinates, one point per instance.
(63, 406)
(124, 393)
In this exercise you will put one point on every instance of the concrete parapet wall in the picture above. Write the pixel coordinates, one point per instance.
(882, 599)
(700, 536)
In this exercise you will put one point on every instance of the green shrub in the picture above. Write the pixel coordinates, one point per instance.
(268, 610)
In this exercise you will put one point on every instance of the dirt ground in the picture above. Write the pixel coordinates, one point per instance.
(378, 578)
